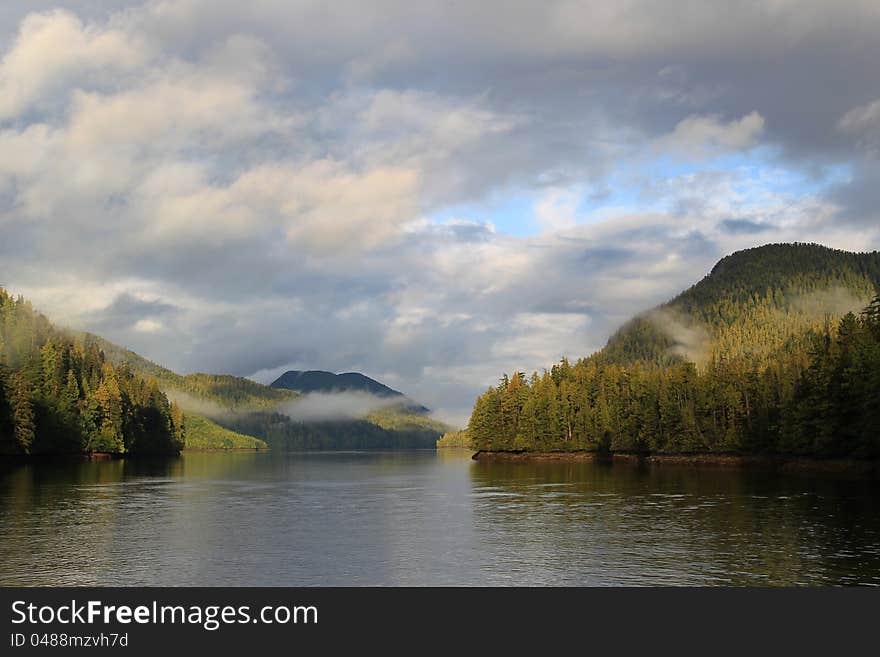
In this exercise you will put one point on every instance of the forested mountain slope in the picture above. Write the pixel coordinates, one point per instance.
(59, 394)
(321, 381)
(751, 302)
(318, 381)
(206, 398)
(775, 351)
(264, 412)
(224, 390)
(455, 439)
(62, 392)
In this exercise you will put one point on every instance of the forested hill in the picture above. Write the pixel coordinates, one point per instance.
(60, 394)
(218, 404)
(221, 390)
(209, 400)
(310, 381)
(751, 301)
(320, 381)
(776, 351)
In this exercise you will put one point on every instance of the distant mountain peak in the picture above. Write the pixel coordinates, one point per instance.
(308, 381)
(321, 381)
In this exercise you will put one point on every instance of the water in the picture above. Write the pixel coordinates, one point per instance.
(425, 518)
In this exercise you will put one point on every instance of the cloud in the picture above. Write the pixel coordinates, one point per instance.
(861, 118)
(430, 197)
(863, 122)
(744, 226)
(832, 300)
(337, 210)
(54, 48)
(859, 196)
(128, 310)
(557, 210)
(194, 404)
(326, 407)
(690, 340)
(148, 326)
(701, 136)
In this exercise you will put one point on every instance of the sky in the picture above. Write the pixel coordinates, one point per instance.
(431, 193)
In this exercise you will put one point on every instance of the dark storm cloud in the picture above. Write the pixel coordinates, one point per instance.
(126, 311)
(860, 197)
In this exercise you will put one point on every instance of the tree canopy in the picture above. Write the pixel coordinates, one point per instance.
(59, 394)
(761, 356)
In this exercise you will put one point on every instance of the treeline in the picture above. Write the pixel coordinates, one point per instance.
(460, 439)
(58, 394)
(282, 433)
(202, 433)
(401, 418)
(754, 358)
(753, 303)
(224, 411)
(231, 392)
(815, 395)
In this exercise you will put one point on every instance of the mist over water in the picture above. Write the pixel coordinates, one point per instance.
(428, 518)
(333, 406)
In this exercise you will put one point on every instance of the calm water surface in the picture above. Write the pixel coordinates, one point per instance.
(426, 518)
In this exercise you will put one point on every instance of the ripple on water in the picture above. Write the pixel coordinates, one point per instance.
(417, 519)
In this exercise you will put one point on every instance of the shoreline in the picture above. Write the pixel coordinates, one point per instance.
(68, 457)
(727, 461)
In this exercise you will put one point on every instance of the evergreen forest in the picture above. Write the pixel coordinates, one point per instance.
(776, 351)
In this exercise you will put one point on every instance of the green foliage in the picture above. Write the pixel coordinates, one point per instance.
(400, 418)
(459, 439)
(250, 409)
(60, 395)
(750, 304)
(64, 394)
(202, 433)
(227, 391)
(283, 433)
(207, 399)
(231, 391)
(759, 357)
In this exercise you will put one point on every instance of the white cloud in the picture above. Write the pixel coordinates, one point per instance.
(334, 210)
(54, 48)
(863, 122)
(702, 136)
(863, 117)
(538, 338)
(557, 209)
(147, 326)
(249, 186)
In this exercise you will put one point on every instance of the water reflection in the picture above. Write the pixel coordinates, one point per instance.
(419, 518)
(595, 523)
